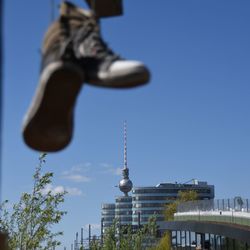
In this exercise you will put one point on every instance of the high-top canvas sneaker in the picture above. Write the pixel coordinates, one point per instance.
(101, 65)
(48, 124)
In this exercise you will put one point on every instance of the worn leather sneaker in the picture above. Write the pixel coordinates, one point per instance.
(48, 124)
(101, 65)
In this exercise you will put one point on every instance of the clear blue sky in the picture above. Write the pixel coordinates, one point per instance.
(191, 121)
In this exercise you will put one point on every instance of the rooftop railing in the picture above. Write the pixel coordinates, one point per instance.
(236, 204)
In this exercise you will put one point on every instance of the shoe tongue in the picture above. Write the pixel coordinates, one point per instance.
(70, 10)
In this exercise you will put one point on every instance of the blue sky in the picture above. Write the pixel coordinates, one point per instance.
(191, 121)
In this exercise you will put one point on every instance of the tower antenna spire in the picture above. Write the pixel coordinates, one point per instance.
(125, 145)
(125, 184)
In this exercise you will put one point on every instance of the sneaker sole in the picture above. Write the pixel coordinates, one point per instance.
(48, 125)
(139, 77)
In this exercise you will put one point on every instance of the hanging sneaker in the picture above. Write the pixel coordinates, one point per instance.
(101, 65)
(48, 124)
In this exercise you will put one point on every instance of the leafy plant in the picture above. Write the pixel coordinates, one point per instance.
(29, 223)
(125, 238)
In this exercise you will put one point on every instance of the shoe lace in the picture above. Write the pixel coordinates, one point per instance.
(90, 32)
(101, 48)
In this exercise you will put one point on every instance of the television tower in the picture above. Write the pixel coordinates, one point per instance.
(125, 184)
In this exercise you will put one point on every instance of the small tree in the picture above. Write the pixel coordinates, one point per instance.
(183, 196)
(190, 195)
(110, 239)
(165, 242)
(124, 238)
(171, 209)
(94, 244)
(29, 223)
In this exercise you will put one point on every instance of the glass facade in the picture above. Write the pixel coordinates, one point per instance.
(123, 210)
(152, 201)
(192, 240)
(108, 215)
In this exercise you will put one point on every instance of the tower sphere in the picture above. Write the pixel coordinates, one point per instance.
(125, 186)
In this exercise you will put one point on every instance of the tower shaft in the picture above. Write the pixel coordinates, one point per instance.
(125, 146)
(125, 184)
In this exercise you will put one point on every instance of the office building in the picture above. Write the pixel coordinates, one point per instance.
(152, 200)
